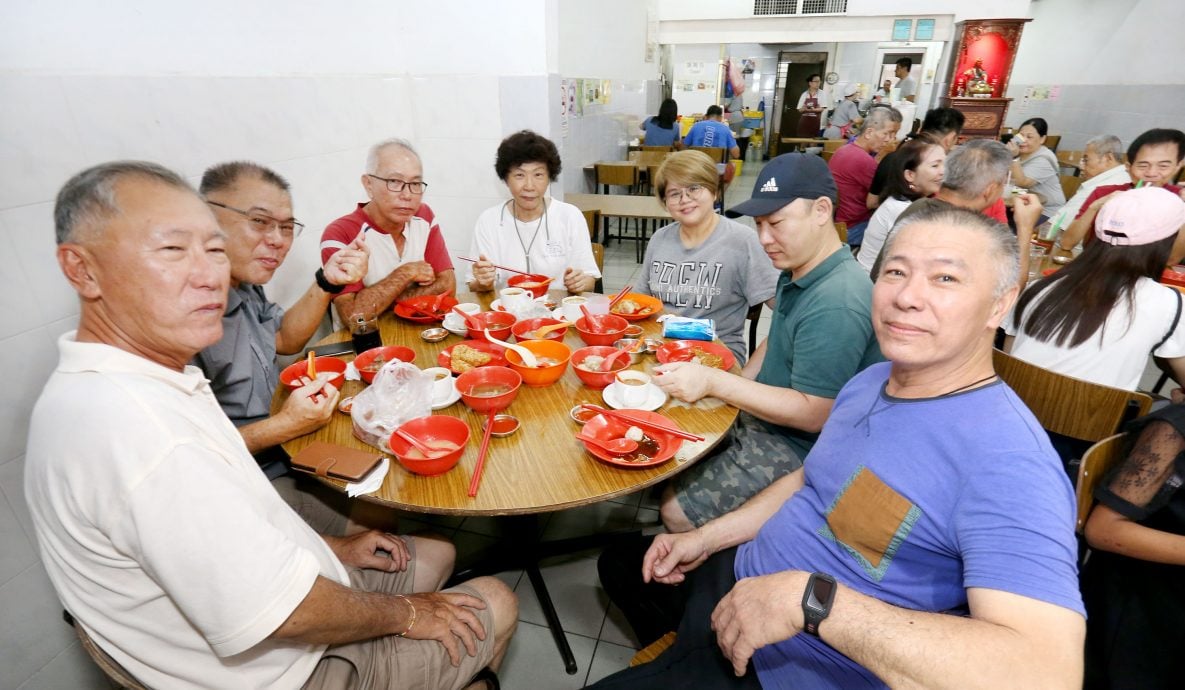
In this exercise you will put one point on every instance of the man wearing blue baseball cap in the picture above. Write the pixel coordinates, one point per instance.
(820, 336)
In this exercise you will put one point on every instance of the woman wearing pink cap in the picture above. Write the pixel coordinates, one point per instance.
(1100, 317)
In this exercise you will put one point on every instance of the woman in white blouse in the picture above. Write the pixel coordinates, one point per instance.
(531, 232)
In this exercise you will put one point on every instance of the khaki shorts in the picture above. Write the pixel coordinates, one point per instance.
(397, 662)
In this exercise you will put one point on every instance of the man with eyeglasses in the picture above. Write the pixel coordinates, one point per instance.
(408, 256)
(253, 206)
(1154, 158)
(1102, 166)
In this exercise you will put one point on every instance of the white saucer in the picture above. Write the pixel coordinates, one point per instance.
(655, 399)
(449, 399)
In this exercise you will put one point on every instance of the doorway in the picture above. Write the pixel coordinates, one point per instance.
(793, 70)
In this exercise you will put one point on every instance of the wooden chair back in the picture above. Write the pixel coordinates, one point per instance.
(833, 145)
(617, 174)
(1069, 157)
(1096, 462)
(651, 651)
(111, 668)
(658, 149)
(1070, 184)
(716, 153)
(1069, 406)
(593, 219)
(598, 251)
(1052, 141)
(841, 229)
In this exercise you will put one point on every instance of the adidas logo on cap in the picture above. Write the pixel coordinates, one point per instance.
(771, 185)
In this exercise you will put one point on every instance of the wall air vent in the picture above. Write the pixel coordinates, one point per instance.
(824, 6)
(767, 7)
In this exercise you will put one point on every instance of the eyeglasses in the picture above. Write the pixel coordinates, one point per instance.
(676, 195)
(396, 185)
(262, 224)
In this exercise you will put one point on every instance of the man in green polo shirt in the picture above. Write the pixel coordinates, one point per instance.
(820, 336)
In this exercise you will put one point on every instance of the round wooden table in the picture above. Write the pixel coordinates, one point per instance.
(538, 469)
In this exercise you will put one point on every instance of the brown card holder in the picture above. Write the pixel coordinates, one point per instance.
(331, 460)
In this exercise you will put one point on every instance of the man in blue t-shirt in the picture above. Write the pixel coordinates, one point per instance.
(928, 539)
(711, 131)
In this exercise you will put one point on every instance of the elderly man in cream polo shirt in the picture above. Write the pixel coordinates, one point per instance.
(159, 532)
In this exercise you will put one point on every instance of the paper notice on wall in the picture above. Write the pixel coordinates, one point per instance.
(564, 103)
(606, 91)
(1055, 92)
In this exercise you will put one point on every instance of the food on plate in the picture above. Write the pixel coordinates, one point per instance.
(629, 306)
(707, 358)
(635, 433)
(530, 284)
(544, 362)
(591, 363)
(648, 448)
(464, 358)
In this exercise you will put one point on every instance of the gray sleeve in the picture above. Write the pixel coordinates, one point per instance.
(762, 279)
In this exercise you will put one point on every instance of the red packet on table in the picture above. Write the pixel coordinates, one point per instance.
(339, 462)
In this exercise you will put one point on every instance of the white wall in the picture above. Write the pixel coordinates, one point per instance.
(301, 85)
(1118, 68)
(603, 40)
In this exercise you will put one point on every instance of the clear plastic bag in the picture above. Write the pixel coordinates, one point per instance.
(400, 392)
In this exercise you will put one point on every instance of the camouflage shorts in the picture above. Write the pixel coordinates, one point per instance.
(747, 461)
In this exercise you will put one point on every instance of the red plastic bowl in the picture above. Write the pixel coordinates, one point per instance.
(597, 379)
(541, 376)
(488, 375)
(610, 329)
(525, 329)
(291, 373)
(531, 280)
(388, 352)
(499, 323)
(429, 429)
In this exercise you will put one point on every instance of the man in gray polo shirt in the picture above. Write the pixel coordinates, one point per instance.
(254, 208)
(820, 336)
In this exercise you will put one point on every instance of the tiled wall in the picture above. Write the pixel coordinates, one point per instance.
(1082, 111)
(605, 131)
(313, 130)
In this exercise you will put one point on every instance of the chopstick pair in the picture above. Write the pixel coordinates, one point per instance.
(482, 452)
(504, 268)
(637, 421)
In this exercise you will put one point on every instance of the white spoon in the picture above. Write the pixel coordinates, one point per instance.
(529, 359)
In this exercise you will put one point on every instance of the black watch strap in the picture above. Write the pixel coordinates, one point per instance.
(816, 601)
(327, 286)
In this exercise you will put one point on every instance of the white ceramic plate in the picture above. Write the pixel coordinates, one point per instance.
(655, 397)
(449, 399)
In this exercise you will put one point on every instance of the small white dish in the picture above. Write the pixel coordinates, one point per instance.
(449, 399)
(456, 328)
(655, 397)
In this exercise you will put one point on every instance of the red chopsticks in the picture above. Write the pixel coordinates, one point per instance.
(638, 421)
(617, 298)
(481, 455)
(504, 268)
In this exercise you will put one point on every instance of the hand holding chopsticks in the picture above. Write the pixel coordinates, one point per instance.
(504, 268)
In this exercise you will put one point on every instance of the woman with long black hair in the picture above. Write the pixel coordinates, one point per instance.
(663, 129)
(1100, 317)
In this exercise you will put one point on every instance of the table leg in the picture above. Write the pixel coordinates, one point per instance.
(526, 550)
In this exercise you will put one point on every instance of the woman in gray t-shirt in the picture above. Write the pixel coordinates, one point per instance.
(1037, 169)
(703, 265)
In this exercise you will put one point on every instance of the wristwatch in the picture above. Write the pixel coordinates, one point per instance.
(817, 600)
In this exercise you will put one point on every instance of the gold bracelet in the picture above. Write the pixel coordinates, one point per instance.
(410, 623)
